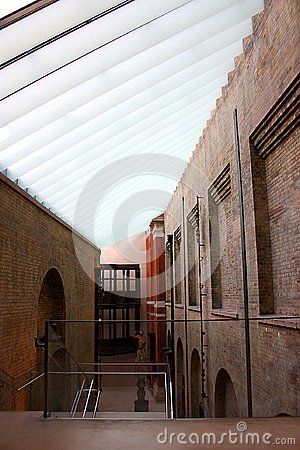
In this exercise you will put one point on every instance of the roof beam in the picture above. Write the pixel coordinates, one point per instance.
(122, 82)
(115, 120)
(173, 41)
(130, 137)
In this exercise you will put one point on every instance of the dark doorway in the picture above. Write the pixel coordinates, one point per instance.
(225, 397)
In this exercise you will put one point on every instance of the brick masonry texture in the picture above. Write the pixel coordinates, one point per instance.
(264, 72)
(155, 267)
(33, 241)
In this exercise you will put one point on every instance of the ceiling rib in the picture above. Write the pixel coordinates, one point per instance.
(63, 34)
(206, 24)
(128, 104)
(120, 83)
(116, 118)
(50, 59)
(21, 13)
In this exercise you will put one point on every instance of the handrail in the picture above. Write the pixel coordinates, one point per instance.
(146, 363)
(13, 381)
(96, 404)
(223, 319)
(87, 398)
(30, 382)
(171, 400)
(107, 373)
(76, 400)
(167, 389)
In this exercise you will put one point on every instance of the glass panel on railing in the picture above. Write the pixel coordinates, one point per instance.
(111, 377)
(141, 394)
(64, 374)
(119, 395)
(200, 369)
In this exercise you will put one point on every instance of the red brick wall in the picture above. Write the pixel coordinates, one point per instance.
(155, 268)
(32, 242)
(282, 180)
(263, 73)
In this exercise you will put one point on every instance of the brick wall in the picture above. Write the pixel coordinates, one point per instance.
(282, 180)
(155, 266)
(263, 88)
(33, 241)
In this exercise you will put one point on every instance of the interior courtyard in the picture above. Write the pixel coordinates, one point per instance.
(149, 224)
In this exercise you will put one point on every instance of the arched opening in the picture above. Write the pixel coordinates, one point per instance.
(225, 397)
(195, 384)
(283, 414)
(180, 381)
(51, 306)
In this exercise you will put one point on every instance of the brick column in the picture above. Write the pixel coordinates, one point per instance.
(156, 296)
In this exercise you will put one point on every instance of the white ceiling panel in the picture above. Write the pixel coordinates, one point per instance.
(102, 103)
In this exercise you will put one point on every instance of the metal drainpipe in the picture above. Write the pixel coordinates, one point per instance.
(202, 332)
(244, 265)
(170, 243)
(185, 316)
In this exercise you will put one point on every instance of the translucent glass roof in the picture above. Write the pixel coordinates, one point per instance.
(102, 103)
(9, 6)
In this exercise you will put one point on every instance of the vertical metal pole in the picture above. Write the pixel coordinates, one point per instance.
(45, 414)
(244, 265)
(172, 368)
(202, 333)
(185, 316)
(96, 329)
(170, 243)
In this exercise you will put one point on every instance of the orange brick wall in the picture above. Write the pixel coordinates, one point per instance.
(264, 72)
(32, 242)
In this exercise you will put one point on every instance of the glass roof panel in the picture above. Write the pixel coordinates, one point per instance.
(8, 7)
(100, 104)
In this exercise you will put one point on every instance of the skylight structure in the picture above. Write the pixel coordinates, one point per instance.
(88, 86)
(8, 7)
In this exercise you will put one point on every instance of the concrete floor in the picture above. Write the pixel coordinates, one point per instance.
(28, 431)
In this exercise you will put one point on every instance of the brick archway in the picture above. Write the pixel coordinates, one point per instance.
(225, 397)
(51, 305)
(195, 384)
(180, 380)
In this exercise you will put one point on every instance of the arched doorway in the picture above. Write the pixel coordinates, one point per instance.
(195, 384)
(180, 380)
(225, 397)
(51, 303)
(51, 306)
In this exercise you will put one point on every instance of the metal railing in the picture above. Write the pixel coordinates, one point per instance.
(11, 386)
(86, 401)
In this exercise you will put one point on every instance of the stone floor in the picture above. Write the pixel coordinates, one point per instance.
(28, 431)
